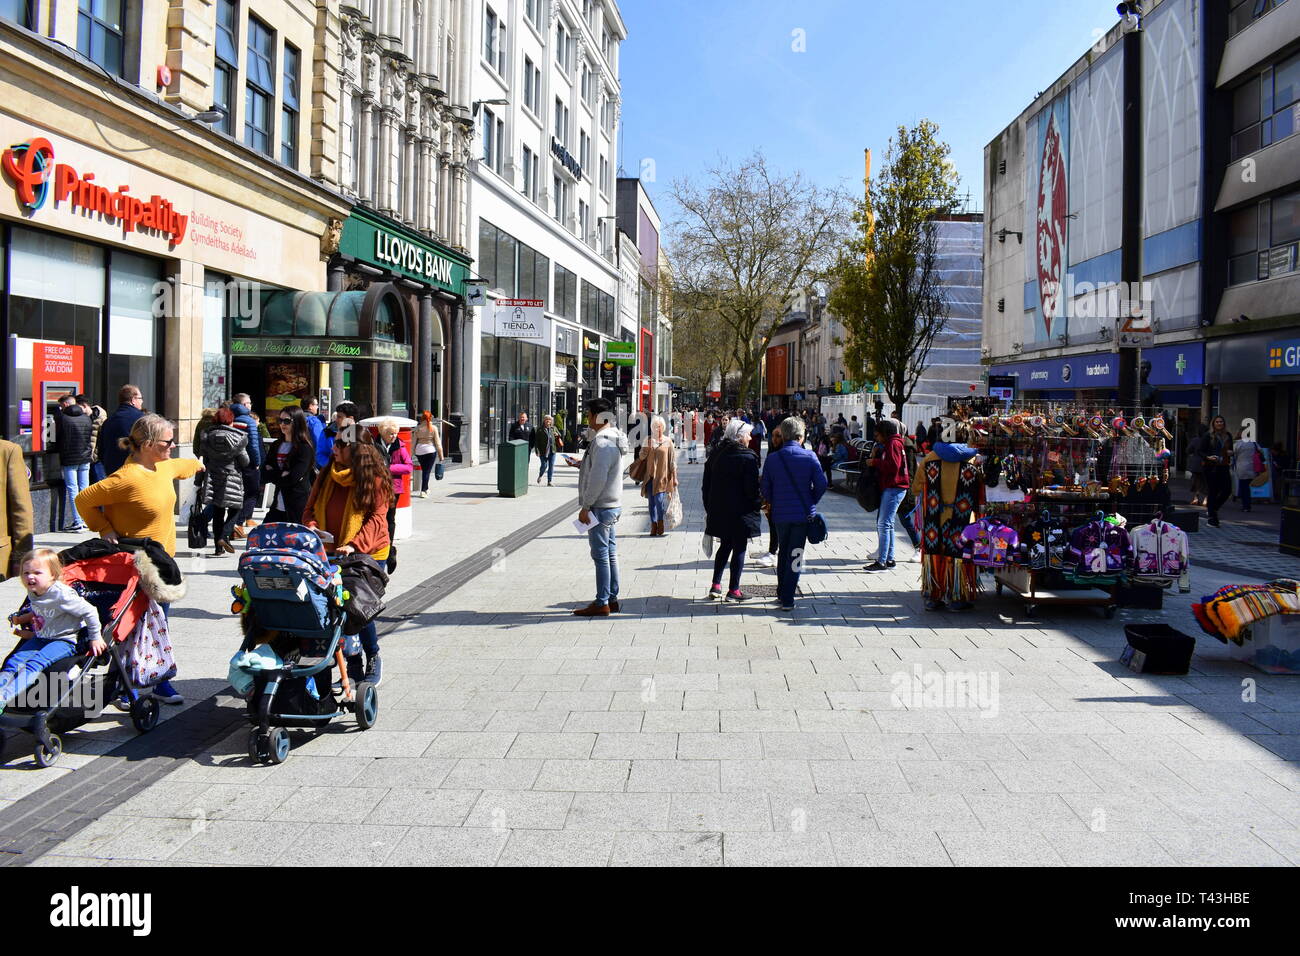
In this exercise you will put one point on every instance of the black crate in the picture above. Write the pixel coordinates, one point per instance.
(1157, 649)
(1189, 521)
(1148, 597)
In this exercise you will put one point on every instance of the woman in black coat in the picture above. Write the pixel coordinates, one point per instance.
(732, 504)
(291, 466)
(224, 450)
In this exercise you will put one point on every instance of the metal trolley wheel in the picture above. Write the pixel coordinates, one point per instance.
(47, 756)
(367, 705)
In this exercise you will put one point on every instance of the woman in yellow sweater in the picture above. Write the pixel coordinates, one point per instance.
(139, 500)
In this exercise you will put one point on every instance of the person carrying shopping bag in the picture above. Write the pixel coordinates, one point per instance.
(661, 474)
(428, 450)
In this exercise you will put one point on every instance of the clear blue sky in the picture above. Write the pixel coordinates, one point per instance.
(703, 78)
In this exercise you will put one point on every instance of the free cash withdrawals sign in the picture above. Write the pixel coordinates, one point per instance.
(521, 319)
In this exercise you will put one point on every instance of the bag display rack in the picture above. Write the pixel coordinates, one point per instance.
(1072, 480)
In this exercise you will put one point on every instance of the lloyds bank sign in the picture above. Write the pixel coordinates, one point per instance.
(402, 252)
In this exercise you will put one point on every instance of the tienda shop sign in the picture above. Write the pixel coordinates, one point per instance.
(31, 168)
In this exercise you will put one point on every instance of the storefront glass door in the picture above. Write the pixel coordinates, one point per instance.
(492, 399)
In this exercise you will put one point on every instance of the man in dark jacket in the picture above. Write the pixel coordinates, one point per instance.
(521, 430)
(130, 407)
(241, 408)
(72, 438)
(793, 481)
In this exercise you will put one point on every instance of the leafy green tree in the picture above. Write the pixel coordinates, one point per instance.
(885, 282)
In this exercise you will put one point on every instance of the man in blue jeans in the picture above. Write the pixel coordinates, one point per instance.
(793, 482)
(600, 495)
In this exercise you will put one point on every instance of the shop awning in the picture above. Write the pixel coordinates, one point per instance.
(328, 326)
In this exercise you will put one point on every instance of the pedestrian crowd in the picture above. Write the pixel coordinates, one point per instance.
(119, 478)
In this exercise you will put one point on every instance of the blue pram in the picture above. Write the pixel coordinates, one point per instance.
(292, 598)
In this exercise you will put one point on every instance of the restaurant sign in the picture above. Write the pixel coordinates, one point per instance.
(324, 349)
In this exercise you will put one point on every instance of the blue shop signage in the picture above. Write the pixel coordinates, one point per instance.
(1284, 357)
(1177, 365)
(1100, 370)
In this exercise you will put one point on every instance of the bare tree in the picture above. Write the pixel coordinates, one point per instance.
(886, 287)
(701, 348)
(746, 238)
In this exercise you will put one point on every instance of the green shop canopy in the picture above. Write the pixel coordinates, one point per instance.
(325, 326)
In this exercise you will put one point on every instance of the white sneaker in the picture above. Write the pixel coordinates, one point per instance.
(915, 558)
(768, 560)
(424, 494)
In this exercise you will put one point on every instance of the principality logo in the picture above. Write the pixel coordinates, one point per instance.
(28, 166)
(31, 168)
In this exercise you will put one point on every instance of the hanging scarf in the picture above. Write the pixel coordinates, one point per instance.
(352, 519)
(944, 575)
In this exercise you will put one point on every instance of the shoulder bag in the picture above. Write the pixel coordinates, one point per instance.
(817, 530)
(639, 467)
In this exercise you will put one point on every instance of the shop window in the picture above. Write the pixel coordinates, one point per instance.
(101, 33)
(215, 360)
(132, 331)
(566, 293)
(17, 11)
(56, 294)
(259, 93)
(226, 64)
(489, 363)
(289, 109)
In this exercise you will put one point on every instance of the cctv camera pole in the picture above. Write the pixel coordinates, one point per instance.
(1131, 205)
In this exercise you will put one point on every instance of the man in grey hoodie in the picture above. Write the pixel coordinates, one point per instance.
(600, 495)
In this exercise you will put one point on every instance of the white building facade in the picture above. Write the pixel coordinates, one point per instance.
(545, 100)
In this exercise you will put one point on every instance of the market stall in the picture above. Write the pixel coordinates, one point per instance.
(1076, 506)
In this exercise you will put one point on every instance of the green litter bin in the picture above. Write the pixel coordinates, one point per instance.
(512, 469)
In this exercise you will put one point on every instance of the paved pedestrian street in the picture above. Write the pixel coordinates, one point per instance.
(858, 730)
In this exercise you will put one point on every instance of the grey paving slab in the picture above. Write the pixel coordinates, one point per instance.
(557, 848)
(674, 776)
(999, 848)
(520, 810)
(583, 775)
(618, 811)
(1218, 848)
(778, 849)
(448, 846)
(888, 848)
(667, 849)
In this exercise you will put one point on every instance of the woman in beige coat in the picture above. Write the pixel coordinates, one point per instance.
(661, 473)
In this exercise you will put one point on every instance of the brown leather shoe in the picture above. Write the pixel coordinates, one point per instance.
(238, 532)
(226, 546)
(593, 610)
(613, 607)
